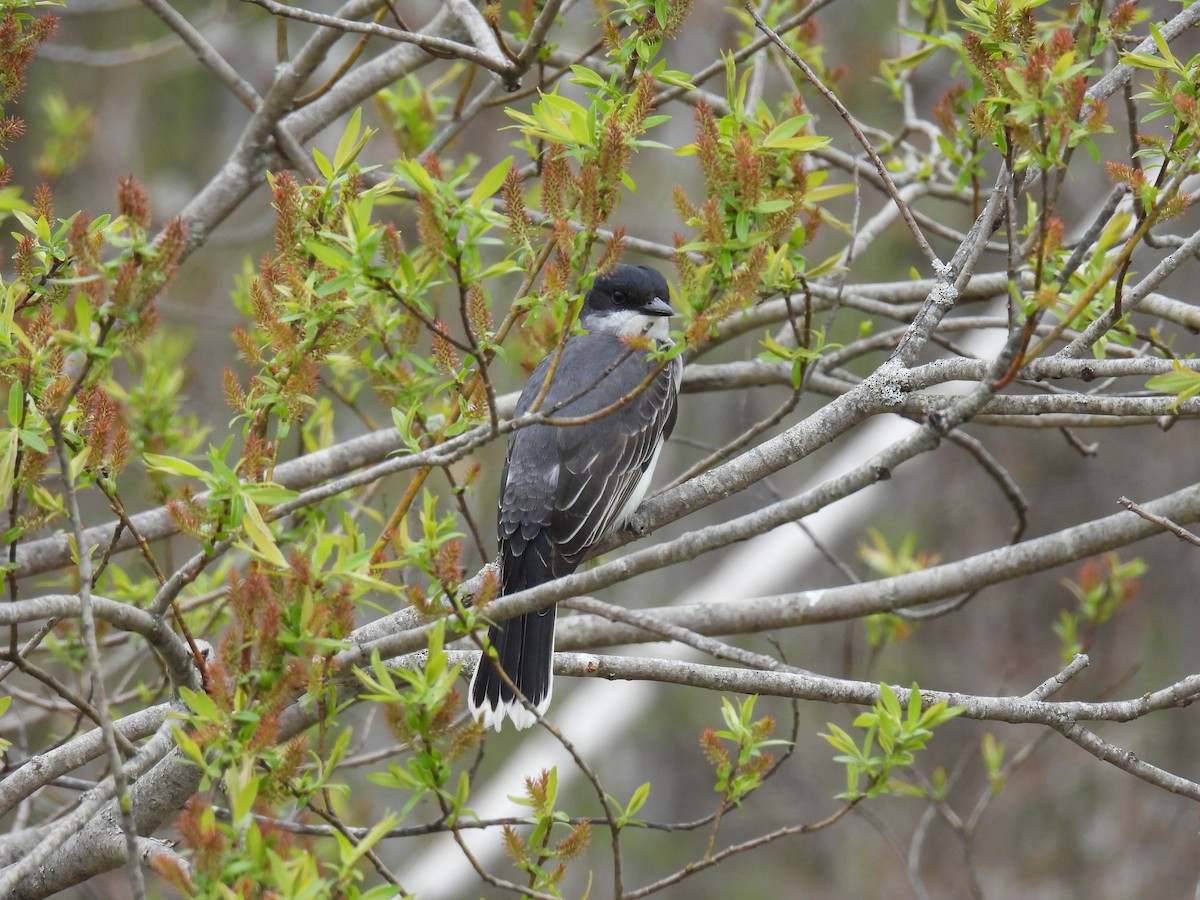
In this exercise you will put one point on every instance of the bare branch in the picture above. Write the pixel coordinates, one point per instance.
(439, 45)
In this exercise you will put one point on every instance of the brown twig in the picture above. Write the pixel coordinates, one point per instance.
(1178, 530)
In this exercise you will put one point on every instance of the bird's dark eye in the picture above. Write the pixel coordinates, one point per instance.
(620, 299)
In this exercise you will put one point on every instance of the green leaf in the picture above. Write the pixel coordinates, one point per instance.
(890, 702)
(8, 466)
(556, 119)
(840, 740)
(766, 207)
(78, 464)
(324, 166)
(1164, 49)
(638, 800)
(490, 182)
(351, 855)
(333, 257)
(260, 535)
(16, 403)
(939, 713)
(242, 789)
(415, 174)
(786, 129)
(200, 703)
(827, 192)
(33, 441)
(801, 144)
(83, 315)
(175, 466)
(190, 748)
(914, 707)
(351, 142)
(1183, 382)
(1141, 61)
(269, 493)
(587, 78)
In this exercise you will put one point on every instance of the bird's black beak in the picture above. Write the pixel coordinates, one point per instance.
(657, 307)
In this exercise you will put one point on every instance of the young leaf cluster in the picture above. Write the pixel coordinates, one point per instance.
(891, 739)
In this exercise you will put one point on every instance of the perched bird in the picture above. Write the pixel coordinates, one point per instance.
(566, 487)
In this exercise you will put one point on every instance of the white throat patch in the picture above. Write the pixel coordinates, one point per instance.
(630, 323)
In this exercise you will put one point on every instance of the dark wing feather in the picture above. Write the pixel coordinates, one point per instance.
(595, 466)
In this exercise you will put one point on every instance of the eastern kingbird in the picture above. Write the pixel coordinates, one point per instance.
(566, 487)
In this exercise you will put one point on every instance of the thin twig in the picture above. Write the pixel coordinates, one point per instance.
(1162, 521)
(836, 103)
(116, 763)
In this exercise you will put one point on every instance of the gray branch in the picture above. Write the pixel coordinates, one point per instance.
(1063, 717)
(40, 770)
(888, 594)
(89, 839)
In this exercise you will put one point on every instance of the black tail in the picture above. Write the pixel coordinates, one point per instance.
(524, 645)
(525, 650)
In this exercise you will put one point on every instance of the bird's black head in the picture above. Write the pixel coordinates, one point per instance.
(628, 300)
